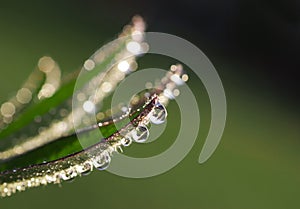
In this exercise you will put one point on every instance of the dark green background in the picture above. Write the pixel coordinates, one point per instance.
(254, 46)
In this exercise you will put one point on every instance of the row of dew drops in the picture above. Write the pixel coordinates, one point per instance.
(139, 134)
(102, 161)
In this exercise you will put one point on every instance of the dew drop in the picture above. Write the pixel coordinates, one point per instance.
(158, 114)
(134, 47)
(177, 79)
(5, 190)
(85, 168)
(119, 149)
(126, 141)
(48, 179)
(21, 187)
(64, 176)
(140, 134)
(102, 162)
(169, 94)
(68, 175)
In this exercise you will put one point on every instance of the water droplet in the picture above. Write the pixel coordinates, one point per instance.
(21, 187)
(126, 141)
(85, 169)
(119, 149)
(102, 162)
(158, 114)
(48, 179)
(140, 134)
(169, 94)
(177, 79)
(133, 47)
(68, 175)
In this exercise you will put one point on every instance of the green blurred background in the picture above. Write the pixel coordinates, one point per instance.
(254, 46)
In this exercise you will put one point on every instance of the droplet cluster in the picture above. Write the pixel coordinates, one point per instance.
(44, 178)
(99, 155)
(42, 83)
(89, 100)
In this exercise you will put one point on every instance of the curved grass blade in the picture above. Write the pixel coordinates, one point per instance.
(70, 144)
(79, 163)
(42, 83)
(24, 165)
(62, 126)
(97, 155)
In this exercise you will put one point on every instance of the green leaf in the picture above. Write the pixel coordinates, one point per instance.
(51, 151)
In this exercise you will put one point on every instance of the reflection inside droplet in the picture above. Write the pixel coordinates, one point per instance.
(126, 141)
(158, 114)
(102, 162)
(140, 134)
(68, 175)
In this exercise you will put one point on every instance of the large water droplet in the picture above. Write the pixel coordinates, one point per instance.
(158, 114)
(140, 134)
(102, 162)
